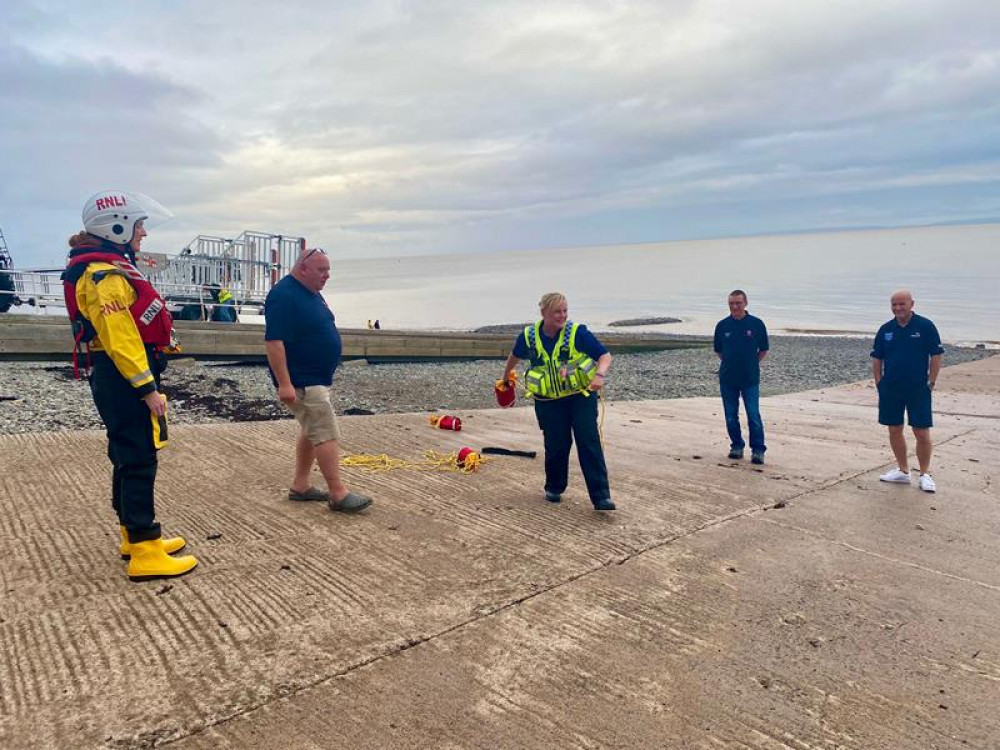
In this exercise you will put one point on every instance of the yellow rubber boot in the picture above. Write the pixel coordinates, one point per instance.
(170, 546)
(150, 561)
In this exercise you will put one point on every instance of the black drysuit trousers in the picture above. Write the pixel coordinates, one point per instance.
(130, 447)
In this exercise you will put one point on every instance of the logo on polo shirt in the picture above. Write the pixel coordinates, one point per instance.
(749, 332)
(915, 335)
(727, 333)
(888, 335)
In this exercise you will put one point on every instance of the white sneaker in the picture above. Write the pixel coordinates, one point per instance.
(898, 476)
(927, 483)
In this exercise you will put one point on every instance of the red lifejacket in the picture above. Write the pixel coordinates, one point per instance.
(149, 311)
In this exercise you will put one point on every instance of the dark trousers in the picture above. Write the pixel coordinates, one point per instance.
(560, 421)
(731, 405)
(130, 448)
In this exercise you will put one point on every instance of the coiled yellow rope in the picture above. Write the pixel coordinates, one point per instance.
(432, 461)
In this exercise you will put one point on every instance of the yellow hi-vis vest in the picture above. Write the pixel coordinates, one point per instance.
(565, 372)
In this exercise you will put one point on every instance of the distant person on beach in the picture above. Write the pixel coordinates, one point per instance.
(118, 314)
(303, 351)
(223, 305)
(906, 360)
(741, 343)
(569, 367)
(370, 326)
(378, 326)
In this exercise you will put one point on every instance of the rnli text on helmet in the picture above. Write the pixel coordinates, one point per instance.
(111, 201)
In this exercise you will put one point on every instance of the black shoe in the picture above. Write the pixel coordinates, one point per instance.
(553, 497)
(757, 457)
(736, 454)
(604, 504)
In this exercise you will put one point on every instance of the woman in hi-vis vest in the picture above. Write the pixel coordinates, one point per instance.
(125, 326)
(568, 368)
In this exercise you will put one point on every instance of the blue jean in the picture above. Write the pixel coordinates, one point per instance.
(751, 402)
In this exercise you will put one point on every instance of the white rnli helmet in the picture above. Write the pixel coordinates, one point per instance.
(113, 214)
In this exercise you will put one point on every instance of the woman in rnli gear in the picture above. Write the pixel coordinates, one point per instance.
(116, 312)
(568, 368)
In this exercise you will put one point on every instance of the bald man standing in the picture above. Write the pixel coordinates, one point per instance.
(303, 350)
(906, 360)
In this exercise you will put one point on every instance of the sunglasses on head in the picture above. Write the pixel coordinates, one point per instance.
(312, 252)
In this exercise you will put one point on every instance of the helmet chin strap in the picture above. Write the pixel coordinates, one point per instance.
(127, 247)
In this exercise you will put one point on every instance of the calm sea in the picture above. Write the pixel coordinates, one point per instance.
(831, 282)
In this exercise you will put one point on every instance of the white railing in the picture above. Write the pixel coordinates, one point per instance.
(32, 289)
(40, 292)
(248, 266)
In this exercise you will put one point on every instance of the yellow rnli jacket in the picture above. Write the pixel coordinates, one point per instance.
(105, 303)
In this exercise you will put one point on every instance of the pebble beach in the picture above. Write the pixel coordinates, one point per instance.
(44, 396)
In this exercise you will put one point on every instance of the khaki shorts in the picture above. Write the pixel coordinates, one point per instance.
(314, 412)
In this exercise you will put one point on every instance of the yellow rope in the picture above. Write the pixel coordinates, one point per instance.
(600, 425)
(472, 462)
(432, 461)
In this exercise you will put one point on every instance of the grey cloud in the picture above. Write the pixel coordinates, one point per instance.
(72, 127)
(418, 124)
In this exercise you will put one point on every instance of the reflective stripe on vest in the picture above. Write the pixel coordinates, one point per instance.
(548, 377)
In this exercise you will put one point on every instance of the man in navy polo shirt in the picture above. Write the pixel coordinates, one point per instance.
(906, 359)
(303, 351)
(741, 343)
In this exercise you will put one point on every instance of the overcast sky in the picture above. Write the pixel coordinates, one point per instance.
(387, 128)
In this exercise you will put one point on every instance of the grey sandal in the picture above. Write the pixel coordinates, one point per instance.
(352, 502)
(310, 494)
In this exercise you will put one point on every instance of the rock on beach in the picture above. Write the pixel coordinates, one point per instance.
(643, 322)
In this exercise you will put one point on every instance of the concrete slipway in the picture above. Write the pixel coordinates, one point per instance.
(804, 605)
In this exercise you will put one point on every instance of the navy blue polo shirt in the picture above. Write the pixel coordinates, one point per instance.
(740, 343)
(301, 319)
(906, 351)
(586, 342)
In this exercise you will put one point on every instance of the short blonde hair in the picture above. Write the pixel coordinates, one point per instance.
(550, 299)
